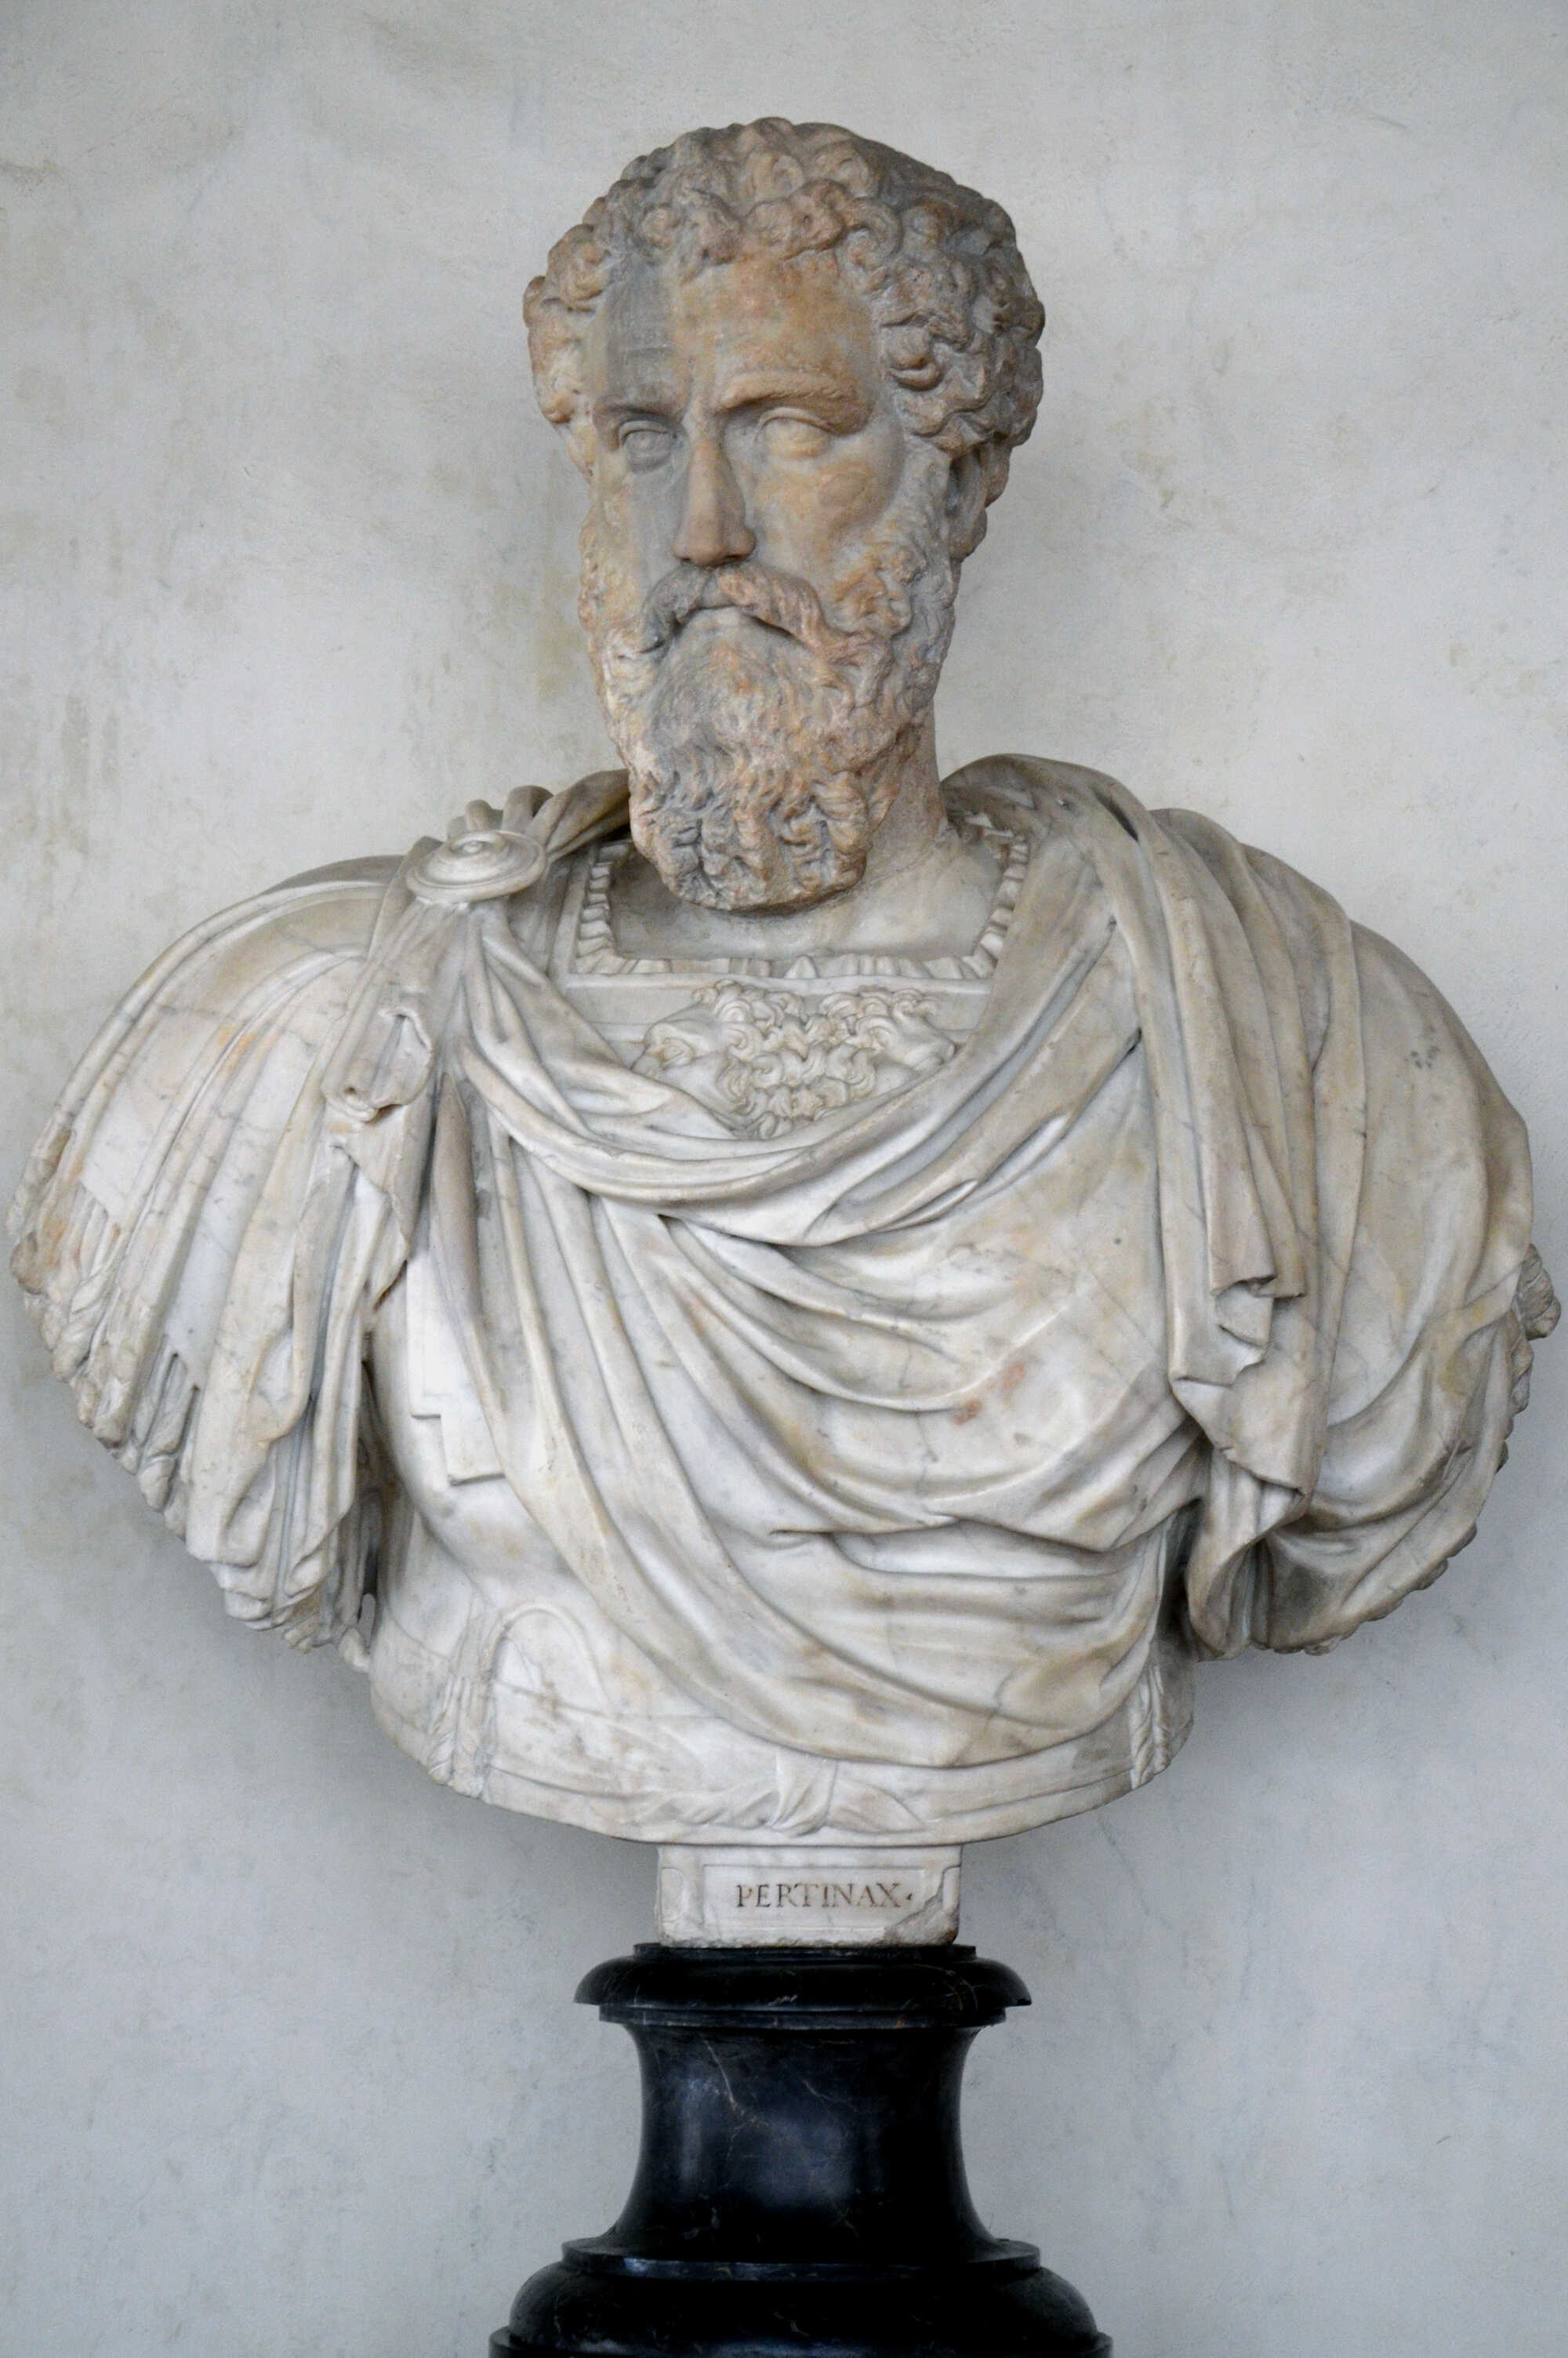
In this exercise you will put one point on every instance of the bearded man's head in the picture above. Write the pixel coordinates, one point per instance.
(793, 365)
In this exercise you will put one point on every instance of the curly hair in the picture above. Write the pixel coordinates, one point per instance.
(937, 266)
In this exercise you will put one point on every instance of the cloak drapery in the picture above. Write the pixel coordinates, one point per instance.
(1339, 1280)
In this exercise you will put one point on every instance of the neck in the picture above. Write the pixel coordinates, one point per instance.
(916, 823)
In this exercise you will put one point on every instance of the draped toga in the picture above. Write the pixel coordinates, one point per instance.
(883, 1476)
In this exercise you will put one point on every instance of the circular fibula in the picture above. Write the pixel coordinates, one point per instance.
(475, 863)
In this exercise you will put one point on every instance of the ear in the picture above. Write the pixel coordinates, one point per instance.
(966, 504)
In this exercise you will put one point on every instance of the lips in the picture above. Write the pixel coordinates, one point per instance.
(726, 616)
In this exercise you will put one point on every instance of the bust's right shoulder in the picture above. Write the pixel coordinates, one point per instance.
(284, 935)
(197, 1070)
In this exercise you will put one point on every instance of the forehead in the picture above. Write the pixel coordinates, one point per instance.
(736, 328)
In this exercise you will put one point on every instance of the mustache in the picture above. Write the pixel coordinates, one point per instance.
(781, 600)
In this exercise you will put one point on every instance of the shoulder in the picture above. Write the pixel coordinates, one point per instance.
(289, 932)
(214, 1041)
(1185, 893)
(1438, 1219)
(284, 937)
(1395, 1045)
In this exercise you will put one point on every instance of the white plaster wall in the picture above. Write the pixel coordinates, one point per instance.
(289, 2061)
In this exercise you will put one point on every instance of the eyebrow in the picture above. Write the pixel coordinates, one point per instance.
(840, 404)
(646, 381)
(657, 396)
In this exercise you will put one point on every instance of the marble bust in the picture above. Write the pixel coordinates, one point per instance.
(774, 1304)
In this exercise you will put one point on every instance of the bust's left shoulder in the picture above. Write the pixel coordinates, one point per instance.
(1406, 1024)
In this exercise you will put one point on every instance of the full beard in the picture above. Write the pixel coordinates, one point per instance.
(763, 755)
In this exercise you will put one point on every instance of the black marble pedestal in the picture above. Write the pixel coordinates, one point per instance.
(800, 2192)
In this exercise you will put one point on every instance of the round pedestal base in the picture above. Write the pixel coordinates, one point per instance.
(1040, 2317)
(800, 2188)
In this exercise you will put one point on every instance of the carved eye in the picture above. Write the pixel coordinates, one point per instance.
(786, 437)
(645, 442)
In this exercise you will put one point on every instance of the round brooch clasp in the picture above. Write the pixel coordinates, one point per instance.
(481, 859)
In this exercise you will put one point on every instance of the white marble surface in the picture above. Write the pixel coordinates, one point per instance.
(712, 1896)
(1289, 551)
(874, 1475)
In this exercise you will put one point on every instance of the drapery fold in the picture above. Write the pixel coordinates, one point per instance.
(233, 1182)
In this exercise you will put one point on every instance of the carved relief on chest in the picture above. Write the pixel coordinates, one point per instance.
(769, 1061)
(770, 1045)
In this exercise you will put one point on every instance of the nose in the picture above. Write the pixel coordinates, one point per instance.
(713, 528)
